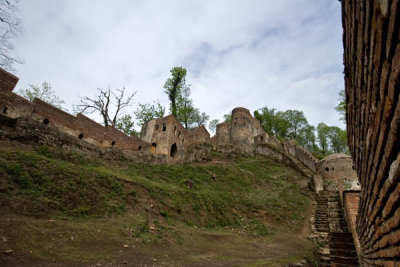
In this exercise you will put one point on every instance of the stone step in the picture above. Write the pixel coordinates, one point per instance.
(344, 260)
(342, 246)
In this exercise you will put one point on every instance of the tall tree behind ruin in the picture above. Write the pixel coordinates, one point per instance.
(174, 87)
(106, 103)
(10, 24)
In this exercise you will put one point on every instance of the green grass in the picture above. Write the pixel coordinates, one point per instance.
(257, 193)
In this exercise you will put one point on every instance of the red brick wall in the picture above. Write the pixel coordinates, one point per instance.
(7, 81)
(351, 200)
(372, 83)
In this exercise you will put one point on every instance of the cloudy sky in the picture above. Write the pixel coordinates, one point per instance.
(253, 53)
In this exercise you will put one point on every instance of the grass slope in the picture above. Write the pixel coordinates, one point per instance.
(79, 202)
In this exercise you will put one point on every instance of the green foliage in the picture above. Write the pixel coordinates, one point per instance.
(44, 92)
(228, 118)
(125, 124)
(199, 118)
(322, 133)
(146, 112)
(338, 140)
(213, 126)
(341, 107)
(174, 86)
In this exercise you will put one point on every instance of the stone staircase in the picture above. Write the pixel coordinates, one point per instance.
(336, 246)
(341, 245)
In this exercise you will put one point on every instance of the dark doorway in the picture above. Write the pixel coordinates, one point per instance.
(80, 136)
(113, 143)
(153, 148)
(5, 110)
(46, 121)
(174, 150)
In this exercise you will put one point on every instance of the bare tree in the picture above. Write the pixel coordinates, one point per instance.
(10, 23)
(105, 102)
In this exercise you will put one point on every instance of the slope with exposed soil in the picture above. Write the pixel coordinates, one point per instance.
(67, 208)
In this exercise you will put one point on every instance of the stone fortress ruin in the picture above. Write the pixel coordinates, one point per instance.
(356, 199)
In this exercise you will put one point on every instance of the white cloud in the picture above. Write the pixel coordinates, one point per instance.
(282, 54)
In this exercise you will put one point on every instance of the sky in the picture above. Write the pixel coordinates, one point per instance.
(283, 54)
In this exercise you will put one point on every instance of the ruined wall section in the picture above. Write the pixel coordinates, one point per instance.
(372, 85)
(166, 136)
(303, 155)
(14, 106)
(338, 168)
(198, 135)
(7, 81)
(223, 134)
(244, 128)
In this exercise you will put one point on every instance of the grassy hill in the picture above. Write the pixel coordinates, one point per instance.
(68, 207)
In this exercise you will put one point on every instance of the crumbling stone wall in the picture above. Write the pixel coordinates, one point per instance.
(198, 135)
(223, 134)
(7, 81)
(372, 85)
(339, 169)
(13, 105)
(166, 136)
(301, 154)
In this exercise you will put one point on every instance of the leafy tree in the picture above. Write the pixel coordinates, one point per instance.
(338, 139)
(213, 126)
(267, 118)
(44, 92)
(306, 138)
(125, 124)
(146, 112)
(297, 121)
(106, 102)
(200, 118)
(174, 87)
(341, 107)
(10, 23)
(228, 118)
(186, 112)
(322, 133)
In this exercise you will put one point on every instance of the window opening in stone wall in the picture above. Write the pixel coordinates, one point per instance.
(174, 130)
(352, 167)
(333, 168)
(157, 126)
(262, 138)
(179, 134)
(5, 110)
(139, 148)
(113, 143)
(327, 169)
(164, 127)
(153, 148)
(174, 150)
(46, 121)
(80, 136)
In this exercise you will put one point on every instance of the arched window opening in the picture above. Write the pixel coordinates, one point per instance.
(113, 143)
(174, 150)
(5, 110)
(46, 121)
(262, 138)
(327, 169)
(174, 130)
(80, 136)
(153, 148)
(164, 127)
(139, 148)
(352, 167)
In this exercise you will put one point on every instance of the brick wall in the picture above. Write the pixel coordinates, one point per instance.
(372, 83)
(351, 200)
(7, 81)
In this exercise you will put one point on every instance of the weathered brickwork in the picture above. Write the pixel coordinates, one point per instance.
(372, 82)
(7, 80)
(351, 200)
(339, 168)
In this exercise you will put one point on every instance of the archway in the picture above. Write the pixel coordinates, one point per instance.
(174, 150)
(153, 148)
